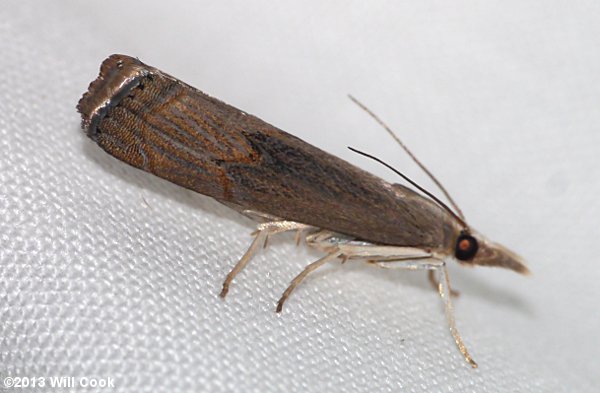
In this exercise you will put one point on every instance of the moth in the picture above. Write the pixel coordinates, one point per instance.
(161, 125)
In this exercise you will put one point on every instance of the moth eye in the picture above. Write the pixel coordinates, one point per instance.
(466, 247)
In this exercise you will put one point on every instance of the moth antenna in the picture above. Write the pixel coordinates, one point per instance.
(414, 158)
(460, 220)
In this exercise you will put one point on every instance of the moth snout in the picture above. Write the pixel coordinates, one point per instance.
(476, 250)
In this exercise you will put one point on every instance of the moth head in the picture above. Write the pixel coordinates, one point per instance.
(474, 249)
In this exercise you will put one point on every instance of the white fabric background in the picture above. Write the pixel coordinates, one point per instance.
(108, 271)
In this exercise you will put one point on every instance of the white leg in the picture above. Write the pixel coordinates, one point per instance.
(260, 238)
(445, 291)
(262, 233)
(298, 279)
(434, 283)
(443, 288)
(353, 249)
(336, 245)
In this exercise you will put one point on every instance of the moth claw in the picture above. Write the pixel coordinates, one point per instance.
(279, 306)
(224, 291)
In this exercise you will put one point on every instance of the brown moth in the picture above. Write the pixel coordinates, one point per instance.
(161, 125)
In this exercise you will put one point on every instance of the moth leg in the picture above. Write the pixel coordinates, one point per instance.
(262, 233)
(435, 284)
(444, 290)
(299, 235)
(400, 263)
(430, 274)
(395, 257)
(261, 237)
(308, 269)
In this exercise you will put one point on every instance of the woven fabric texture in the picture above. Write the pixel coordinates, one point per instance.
(106, 271)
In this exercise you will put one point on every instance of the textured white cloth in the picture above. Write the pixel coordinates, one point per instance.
(106, 271)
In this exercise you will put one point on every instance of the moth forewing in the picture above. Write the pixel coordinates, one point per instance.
(161, 125)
